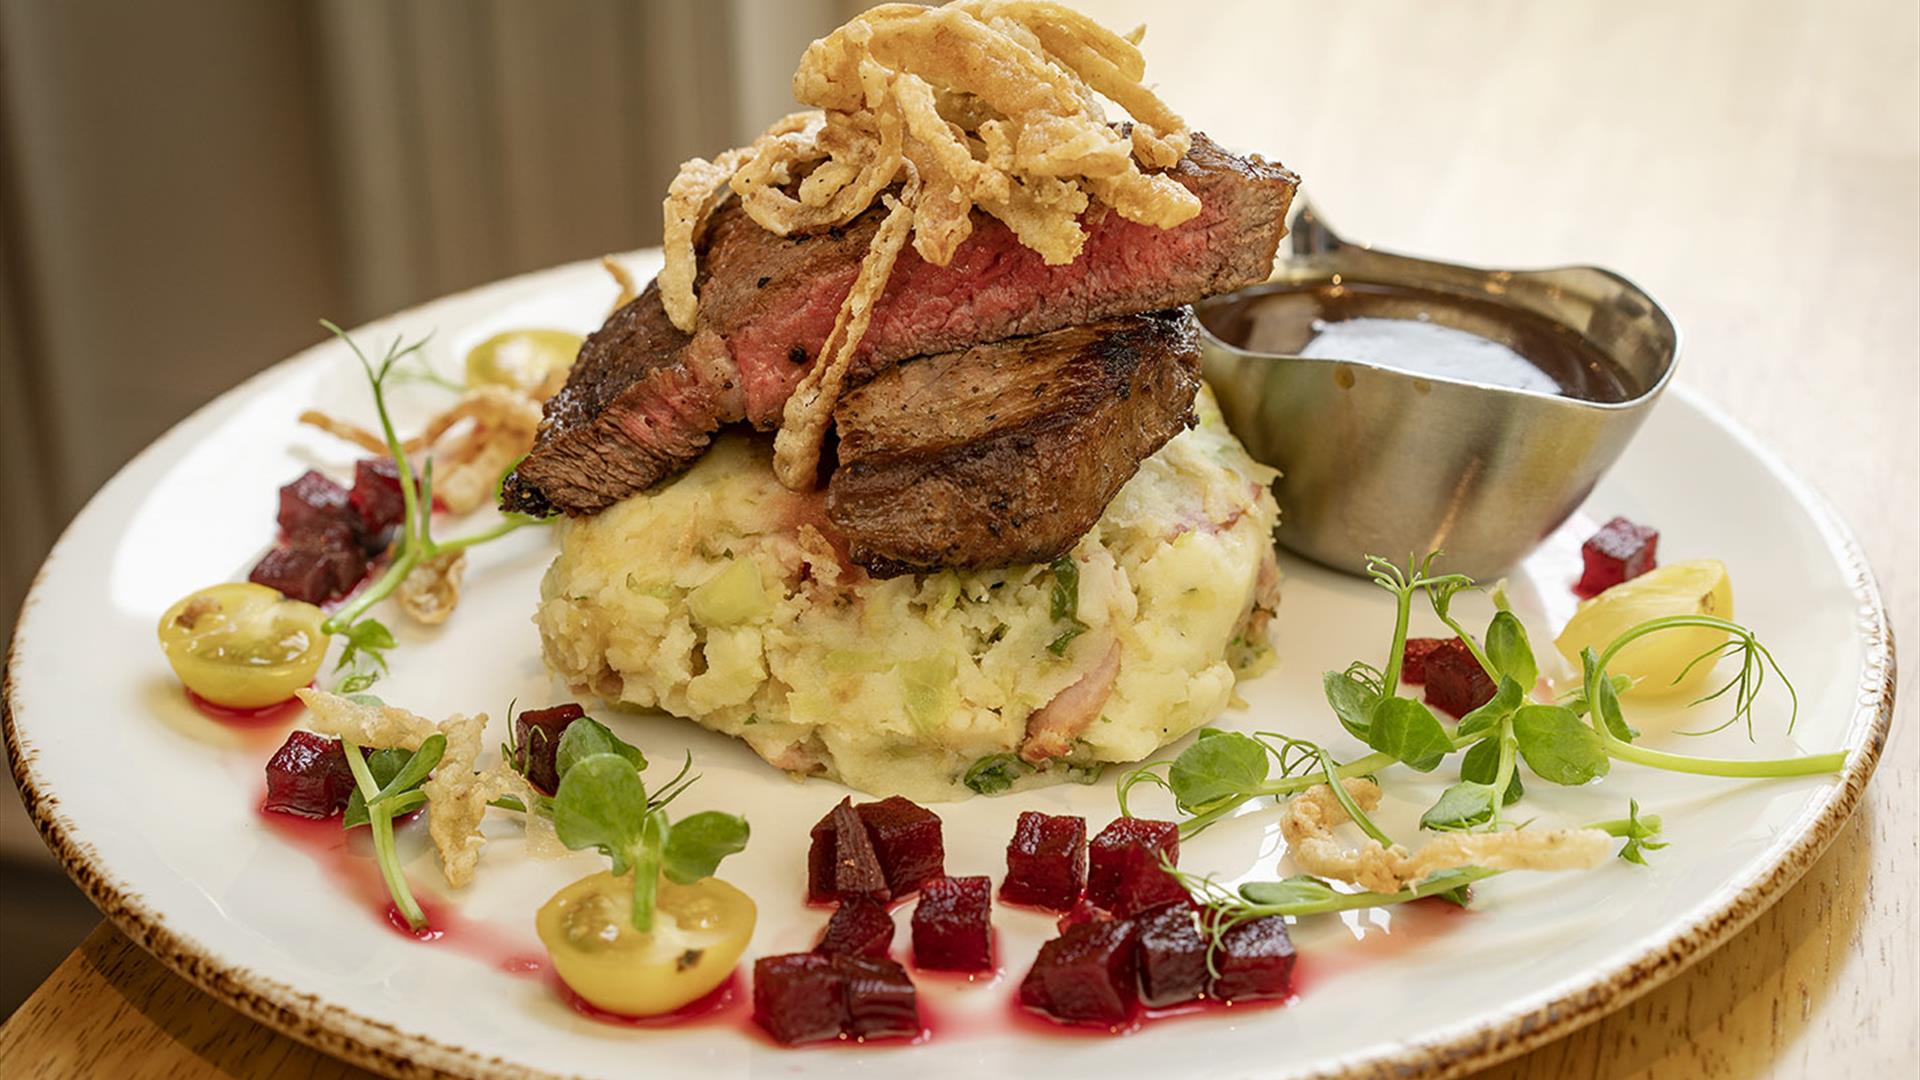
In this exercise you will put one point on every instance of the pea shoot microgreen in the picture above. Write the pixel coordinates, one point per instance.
(586, 737)
(603, 804)
(386, 786)
(363, 655)
(1571, 741)
(1223, 908)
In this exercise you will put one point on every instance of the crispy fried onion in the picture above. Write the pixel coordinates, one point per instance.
(621, 277)
(468, 459)
(431, 590)
(803, 424)
(469, 462)
(457, 796)
(691, 197)
(1311, 816)
(369, 725)
(995, 104)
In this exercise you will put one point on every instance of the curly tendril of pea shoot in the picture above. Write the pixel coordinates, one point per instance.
(1571, 741)
(365, 638)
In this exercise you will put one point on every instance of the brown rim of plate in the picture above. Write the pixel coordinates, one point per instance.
(384, 1048)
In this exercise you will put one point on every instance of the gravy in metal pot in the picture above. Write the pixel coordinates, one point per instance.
(1421, 332)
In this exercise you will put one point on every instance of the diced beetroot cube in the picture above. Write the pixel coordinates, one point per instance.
(952, 924)
(536, 741)
(308, 777)
(881, 1001)
(1173, 956)
(1413, 660)
(808, 997)
(1123, 873)
(315, 514)
(906, 839)
(1082, 912)
(1085, 976)
(841, 864)
(1255, 960)
(315, 574)
(1046, 861)
(859, 927)
(1456, 683)
(1620, 551)
(377, 496)
(298, 575)
(799, 997)
(312, 504)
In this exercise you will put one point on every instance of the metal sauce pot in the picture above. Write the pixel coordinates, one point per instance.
(1378, 460)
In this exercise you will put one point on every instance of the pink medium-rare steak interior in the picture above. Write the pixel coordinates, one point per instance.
(644, 399)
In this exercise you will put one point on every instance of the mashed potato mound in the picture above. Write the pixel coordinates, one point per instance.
(720, 597)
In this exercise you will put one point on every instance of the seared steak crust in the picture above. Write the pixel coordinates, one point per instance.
(1007, 453)
(641, 403)
(637, 409)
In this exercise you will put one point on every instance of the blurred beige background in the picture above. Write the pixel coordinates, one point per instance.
(185, 187)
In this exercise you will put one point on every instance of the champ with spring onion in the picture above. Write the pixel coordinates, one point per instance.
(720, 598)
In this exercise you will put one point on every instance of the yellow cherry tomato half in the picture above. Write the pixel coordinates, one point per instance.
(242, 645)
(699, 932)
(1657, 660)
(522, 360)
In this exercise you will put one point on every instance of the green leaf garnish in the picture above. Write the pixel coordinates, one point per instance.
(1481, 764)
(1501, 705)
(1299, 889)
(363, 655)
(1642, 835)
(994, 774)
(1509, 650)
(1408, 731)
(1212, 778)
(1352, 701)
(1603, 698)
(384, 765)
(1219, 764)
(398, 773)
(698, 842)
(603, 804)
(1558, 747)
(584, 737)
(1462, 806)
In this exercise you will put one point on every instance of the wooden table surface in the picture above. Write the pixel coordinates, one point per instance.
(1755, 166)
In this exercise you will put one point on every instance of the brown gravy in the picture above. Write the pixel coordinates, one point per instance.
(1435, 334)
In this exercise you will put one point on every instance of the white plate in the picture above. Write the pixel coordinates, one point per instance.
(152, 807)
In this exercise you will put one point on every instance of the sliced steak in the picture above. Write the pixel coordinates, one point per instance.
(641, 403)
(767, 304)
(1009, 452)
(774, 299)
